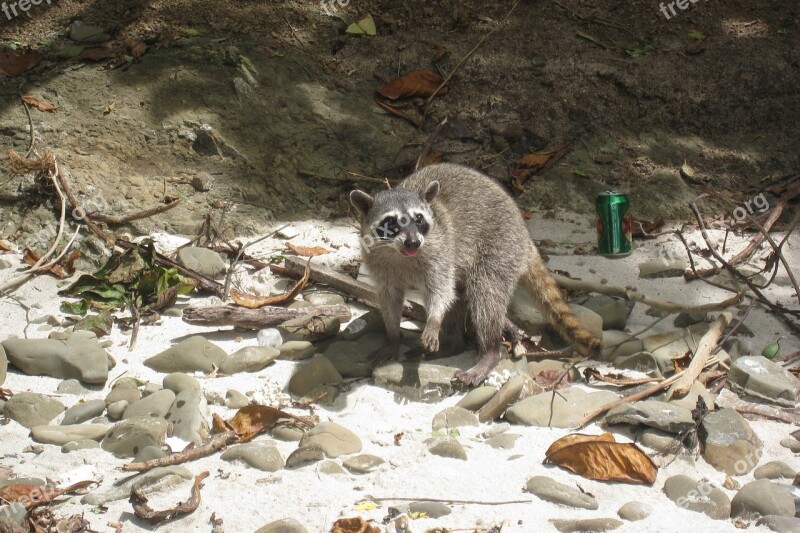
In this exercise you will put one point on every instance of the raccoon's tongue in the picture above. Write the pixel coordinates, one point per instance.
(410, 253)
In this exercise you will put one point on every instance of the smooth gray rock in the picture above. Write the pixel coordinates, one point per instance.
(202, 260)
(761, 498)
(353, 358)
(640, 362)
(422, 382)
(690, 400)
(553, 491)
(698, 496)
(83, 411)
(760, 377)
(131, 435)
(80, 444)
(303, 456)
(509, 393)
(194, 354)
(586, 525)
(774, 470)
(477, 397)
(148, 482)
(269, 338)
(447, 447)
(369, 322)
(431, 509)
(296, 350)
(524, 311)
(71, 386)
(613, 311)
(150, 388)
(157, 405)
(123, 391)
(323, 298)
(179, 382)
(259, 456)
(284, 525)
(287, 432)
(83, 33)
(363, 463)
(660, 441)
(730, 443)
(30, 409)
(334, 440)
(667, 346)
(590, 320)
(248, 359)
(117, 409)
(792, 444)
(453, 417)
(329, 468)
(187, 415)
(319, 371)
(300, 329)
(148, 453)
(569, 407)
(504, 441)
(60, 435)
(781, 524)
(78, 357)
(620, 344)
(236, 400)
(652, 413)
(634, 511)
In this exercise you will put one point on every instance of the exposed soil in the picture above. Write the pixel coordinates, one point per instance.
(552, 72)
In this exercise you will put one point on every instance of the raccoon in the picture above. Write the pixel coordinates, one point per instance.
(460, 235)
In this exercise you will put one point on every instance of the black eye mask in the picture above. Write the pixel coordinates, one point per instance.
(422, 224)
(387, 229)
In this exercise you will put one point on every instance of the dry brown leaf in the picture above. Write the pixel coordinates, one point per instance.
(353, 525)
(41, 105)
(255, 302)
(32, 496)
(253, 419)
(306, 251)
(600, 457)
(14, 62)
(415, 83)
(410, 113)
(5, 246)
(30, 258)
(136, 47)
(535, 162)
(682, 363)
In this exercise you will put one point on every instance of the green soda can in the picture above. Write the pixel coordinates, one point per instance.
(614, 231)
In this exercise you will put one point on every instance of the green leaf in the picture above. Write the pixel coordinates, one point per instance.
(69, 51)
(76, 308)
(639, 52)
(191, 32)
(365, 26)
(100, 324)
(697, 35)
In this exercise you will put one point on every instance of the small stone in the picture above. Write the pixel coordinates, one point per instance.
(321, 394)
(116, 410)
(662, 268)
(30, 409)
(613, 311)
(698, 496)
(236, 400)
(552, 491)
(363, 464)
(259, 456)
(422, 382)
(296, 350)
(323, 298)
(591, 321)
(370, 322)
(81, 412)
(353, 359)
(320, 371)
(202, 260)
(569, 407)
(329, 468)
(285, 525)
(477, 397)
(660, 441)
(302, 456)
(774, 470)
(334, 440)
(61, 434)
(81, 444)
(148, 453)
(178, 382)
(269, 338)
(287, 432)
(431, 509)
(634, 511)
(506, 441)
(512, 390)
(71, 386)
(792, 444)
(652, 413)
(453, 417)
(447, 447)
(129, 436)
(640, 362)
(689, 401)
(150, 388)
(248, 359)
(730, 443)
(586, 525)
(157, 405)
(83, 33)
(187, 416)
(620, 344)
(123, 391)
(760, 377)
(202, 182)
(781, 524)
(194, 354)
(311, 330)
(762, 498)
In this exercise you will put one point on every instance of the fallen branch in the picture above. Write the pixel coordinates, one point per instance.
(705, 348)
(263, 317)
(143, 511)
(786, 415)
(212, 445)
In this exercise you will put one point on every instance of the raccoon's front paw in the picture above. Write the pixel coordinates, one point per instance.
(430, 339)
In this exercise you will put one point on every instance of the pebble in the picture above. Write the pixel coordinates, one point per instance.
(432, 509)
(508, 394)
(131, 435)
(260, 456)
(319, 371)
(302, 456)
(587, 525)
(123, 390)
(660, 441)
(157, 405)
(587, 318)
(116, 410)
(421, 382)
(71, 386)
(83, 411)
(453, 417)
(284, 525)
(332, 439)
(79, 357)
(323, 298)
(369, 322)
(774, 470)
(569, 407)
(248, 359)
(269, 338)
(730, 443)
(321, 394)
(81, 444)
(634, 511)
(353, 359)
(792, 444)
(331, 468)
(760, 498)
(447, 447)
(83, 33)
(506, 441)
(30, 409)
(781, 524)
(641, 362)
(477, 397)
(689, 401)
(148, 453)
(760, 377)
(613, 311)
(363, 464)
(236, 400)
(553, 491)
(147, 482)
(61, 434)
(150, 388)
(194, 354)
(202, 182)
(524, 311)
(698, 496)
(286, 431)
(620, 344)
(296, 350)
(187, 416)
(652, 413)
(178, 382)
(202, 260)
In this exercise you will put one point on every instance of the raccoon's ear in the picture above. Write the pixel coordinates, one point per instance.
(361, 201)
(431, 192)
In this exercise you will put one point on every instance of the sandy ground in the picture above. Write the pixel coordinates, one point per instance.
(247, 499)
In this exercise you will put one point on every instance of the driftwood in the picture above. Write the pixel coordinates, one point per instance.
(212, 445)
(264, 317)
(705, 348)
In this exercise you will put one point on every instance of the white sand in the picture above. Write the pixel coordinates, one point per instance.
(247, 499)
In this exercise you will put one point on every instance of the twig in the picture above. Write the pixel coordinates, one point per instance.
(30, 122)
(76, 208)
(705, 348)
(122, 219)
(429, 142)
(464, 60)
(353, 177)
(212, 445)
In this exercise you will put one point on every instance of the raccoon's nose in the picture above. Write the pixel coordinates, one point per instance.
(411, 243)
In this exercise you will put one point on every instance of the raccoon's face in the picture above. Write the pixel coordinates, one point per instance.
(396, 218)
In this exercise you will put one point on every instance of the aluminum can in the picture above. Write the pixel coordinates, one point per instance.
(614, 224)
